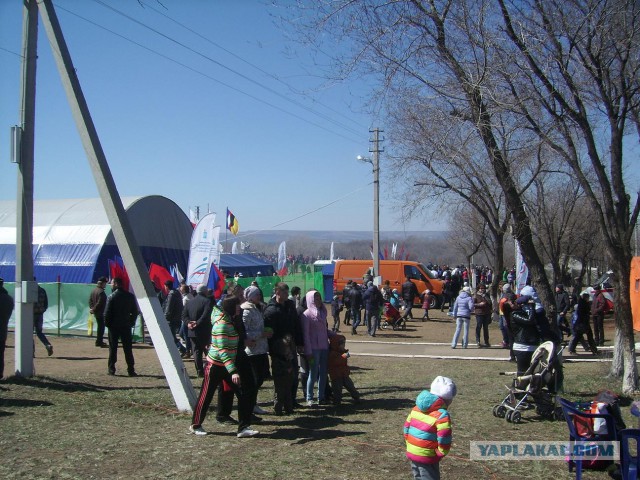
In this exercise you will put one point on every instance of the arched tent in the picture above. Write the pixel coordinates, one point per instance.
(73, 241)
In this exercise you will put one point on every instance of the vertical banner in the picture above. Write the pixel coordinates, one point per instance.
(522, 271)
(200, 251)
(216, 248)
(331, 253)
(234, 248)
(282, 259)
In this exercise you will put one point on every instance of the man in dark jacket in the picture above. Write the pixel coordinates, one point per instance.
(346, 301)
(197, 315)
(6, 307)
(97, 302)
(409, 293)
(562, 307)
(372, 303)
(598, 309)
(280, 315)
(39, 308)
(173, 314)
(356, 306)
(120, 315)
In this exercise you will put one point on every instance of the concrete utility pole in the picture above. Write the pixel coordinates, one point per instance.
(25, 286)
(376, 202)
(171, 363)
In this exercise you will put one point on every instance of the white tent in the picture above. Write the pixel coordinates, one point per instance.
(73, 242)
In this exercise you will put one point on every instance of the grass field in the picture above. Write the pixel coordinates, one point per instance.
(74, 421)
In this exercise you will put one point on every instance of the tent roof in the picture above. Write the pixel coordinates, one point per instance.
(242, 262)
(84, 220)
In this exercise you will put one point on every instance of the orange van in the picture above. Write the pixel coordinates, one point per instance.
(392, 270)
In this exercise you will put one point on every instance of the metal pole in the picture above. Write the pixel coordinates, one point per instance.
(24, 208)
(376, 205)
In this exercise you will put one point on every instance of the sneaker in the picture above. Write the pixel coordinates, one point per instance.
(259, 410)
(197, 430)
(49, 349)
(248, 432)
(310, 403)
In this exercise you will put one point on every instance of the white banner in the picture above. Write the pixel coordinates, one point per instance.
(282, 256)
(200, 257)
(522, 271)
(216, 247)
(234, 248)
(331, 252)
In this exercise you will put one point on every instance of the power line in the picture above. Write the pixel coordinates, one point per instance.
(229, 69)
(307, 213)
(252, 65)
(162, 55)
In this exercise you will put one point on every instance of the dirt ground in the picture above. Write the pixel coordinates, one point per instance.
(73, 420)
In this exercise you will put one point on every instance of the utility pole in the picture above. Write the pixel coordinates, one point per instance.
(26, 291)
(376, 150)
(163, 341)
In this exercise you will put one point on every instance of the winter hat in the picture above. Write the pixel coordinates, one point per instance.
(506, 288)
(523, 299)
(202, 288)
(444, 388)
(369, 284)
(466, 289)
(251, 292)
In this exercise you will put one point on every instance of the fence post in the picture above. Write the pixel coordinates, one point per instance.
(59, 298)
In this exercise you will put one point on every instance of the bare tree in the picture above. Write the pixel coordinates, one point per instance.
(575, 80)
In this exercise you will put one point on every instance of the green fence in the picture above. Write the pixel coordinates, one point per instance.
(68, 312)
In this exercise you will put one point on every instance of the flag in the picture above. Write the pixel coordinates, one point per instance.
(117, 269)
(522, 271)
(282, 259)
(200, 253)
(331, 253)
(386, 252)
(234, 248)
(216, 282)
(394, 250)
(232, 222)
(177, 276)
(159, 275)
(193, 218)
(380, 257)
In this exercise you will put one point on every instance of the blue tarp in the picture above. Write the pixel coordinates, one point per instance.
(246, 264)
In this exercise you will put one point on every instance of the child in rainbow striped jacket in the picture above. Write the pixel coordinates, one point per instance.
(427, 430)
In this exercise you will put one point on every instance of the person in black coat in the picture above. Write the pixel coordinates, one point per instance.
(409, 293)
(120, 315)
(6, 307)
(197, 315)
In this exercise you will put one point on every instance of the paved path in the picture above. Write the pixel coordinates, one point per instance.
(377, 348)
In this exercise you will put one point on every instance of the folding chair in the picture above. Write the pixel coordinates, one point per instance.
(580, 425)
(629, 463)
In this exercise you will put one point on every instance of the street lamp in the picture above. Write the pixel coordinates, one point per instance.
(376, 210)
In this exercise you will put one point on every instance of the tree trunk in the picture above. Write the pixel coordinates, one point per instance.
(624, 355)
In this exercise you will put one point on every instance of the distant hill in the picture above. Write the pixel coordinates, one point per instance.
(277, 236)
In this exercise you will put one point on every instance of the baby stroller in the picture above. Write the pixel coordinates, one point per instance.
(534, 389)
(392, 318)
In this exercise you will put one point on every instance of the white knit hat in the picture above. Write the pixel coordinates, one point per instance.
(444, 388)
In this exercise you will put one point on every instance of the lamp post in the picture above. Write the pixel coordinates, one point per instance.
(376, 209)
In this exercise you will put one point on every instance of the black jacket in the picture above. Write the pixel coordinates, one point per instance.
(356, 298)
(282, 318)
(6, 307)
(524, 326)
(121, 310)
(409, 292)
(173, 307)
(199, 310)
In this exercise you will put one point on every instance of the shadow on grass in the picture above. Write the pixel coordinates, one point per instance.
(57, 357)
(300, 436)
(50, 383)
(6, 414)
(400, 334)
(22, 402)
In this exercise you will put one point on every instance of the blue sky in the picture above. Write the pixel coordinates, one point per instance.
(198, 133)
